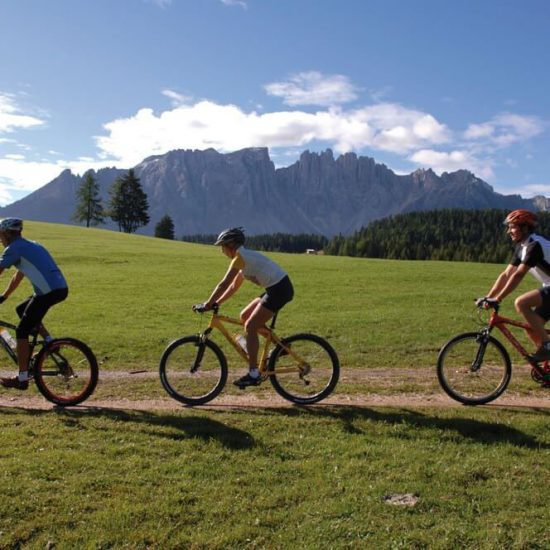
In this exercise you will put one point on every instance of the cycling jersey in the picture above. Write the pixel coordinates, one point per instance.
(257, 268)
(36, 263)
(534, 252)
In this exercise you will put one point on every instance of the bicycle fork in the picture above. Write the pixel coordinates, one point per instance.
(201, 345)
(482, 339)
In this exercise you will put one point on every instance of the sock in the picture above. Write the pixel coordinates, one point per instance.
(254, 373)
(48, 339)
(23, 376)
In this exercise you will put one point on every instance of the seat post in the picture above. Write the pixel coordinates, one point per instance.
(273, 320)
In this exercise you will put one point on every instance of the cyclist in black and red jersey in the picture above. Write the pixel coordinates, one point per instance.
(532, 254)
(262, 271)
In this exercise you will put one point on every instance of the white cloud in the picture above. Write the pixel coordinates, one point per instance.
(11, 118)
(21, 176)
(239, 3)
(440, 161)
(504, 130)
(313, 88)
(414, 135)
(531, 190)
(176, 98)
(160, 3)
(387, 127)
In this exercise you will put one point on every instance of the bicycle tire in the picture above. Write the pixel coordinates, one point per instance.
(321, 378)
(66, 371)
(468, 380)
(188, 386)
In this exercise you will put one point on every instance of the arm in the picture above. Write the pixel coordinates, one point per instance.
(222, 289)
(13, 284)
(233, 287)
(501, 281)
(512, 282)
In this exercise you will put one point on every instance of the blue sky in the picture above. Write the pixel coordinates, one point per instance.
(412, 83)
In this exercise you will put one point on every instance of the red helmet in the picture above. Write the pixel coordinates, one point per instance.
(521, 217)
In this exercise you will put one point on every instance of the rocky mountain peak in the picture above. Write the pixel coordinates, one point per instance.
(204, 191)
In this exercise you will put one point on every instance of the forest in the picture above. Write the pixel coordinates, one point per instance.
(277, 242)
(447, 234)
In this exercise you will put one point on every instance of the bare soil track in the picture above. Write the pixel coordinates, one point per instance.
(393, 388)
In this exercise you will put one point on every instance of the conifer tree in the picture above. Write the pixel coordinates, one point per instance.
(165, 228)
(88, 205)
(128, 205)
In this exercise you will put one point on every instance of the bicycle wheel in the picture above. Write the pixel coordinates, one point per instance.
(66, 371)
(193, 372)
(474, 368)
(308, 372)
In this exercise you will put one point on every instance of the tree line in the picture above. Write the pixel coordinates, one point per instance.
(447, 234)
(277, 242)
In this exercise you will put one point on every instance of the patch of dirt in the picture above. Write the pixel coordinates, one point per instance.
(428, 394)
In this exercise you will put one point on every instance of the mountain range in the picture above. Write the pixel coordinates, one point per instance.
(206, 191)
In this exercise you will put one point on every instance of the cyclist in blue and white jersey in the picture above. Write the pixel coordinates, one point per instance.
(262, 271)
(33, 261)
(532, 254)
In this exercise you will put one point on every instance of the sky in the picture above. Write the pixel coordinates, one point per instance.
(438, 84)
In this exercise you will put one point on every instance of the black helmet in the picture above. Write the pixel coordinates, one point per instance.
(11, 224)
(235, 235)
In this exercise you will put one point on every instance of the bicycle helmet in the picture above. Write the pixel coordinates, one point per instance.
(234, 235)
(11, 224)
(521, 217)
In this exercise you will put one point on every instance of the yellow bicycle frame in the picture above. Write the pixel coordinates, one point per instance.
(217, 322)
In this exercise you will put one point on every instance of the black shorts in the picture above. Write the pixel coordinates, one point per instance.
(544, 309)
(276, 296)
(33, 310)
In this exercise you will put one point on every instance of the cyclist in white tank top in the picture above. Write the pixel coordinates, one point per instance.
(262, 271)
(532, 254)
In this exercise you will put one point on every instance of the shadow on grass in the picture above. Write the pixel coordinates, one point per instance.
(187, 427)
(480, 431)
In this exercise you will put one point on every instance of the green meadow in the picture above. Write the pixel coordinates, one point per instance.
(276, 477)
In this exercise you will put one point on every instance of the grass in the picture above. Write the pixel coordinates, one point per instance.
(268, 478)
(277, 478)
(130, 295)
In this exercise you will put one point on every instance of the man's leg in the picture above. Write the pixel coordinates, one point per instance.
(535, 308)
(525, 305)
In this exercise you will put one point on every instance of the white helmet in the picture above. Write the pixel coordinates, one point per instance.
(11, 224)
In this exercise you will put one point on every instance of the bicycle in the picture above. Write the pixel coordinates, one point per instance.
(475, 368)
(302, 368)
(65, 369)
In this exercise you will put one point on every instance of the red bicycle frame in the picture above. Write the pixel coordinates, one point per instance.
(500, 322)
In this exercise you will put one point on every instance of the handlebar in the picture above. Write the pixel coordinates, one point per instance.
(487, 303)
(201, 308)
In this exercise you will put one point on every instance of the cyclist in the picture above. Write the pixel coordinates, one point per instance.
(34, 261)
(257, 268)
(532, 253)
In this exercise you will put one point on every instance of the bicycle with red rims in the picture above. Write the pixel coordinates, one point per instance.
(475, 368)
(65, 370)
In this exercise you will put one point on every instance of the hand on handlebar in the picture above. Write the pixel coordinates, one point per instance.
(487, 303)
(202, 308)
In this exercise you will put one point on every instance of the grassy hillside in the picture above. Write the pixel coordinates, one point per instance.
(130, 295)
(96, 477)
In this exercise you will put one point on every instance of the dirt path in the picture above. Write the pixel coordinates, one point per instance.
(381, 385)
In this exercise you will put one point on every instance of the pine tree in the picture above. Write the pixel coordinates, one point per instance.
(165, 228)
(88, 205)
(128, 204)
